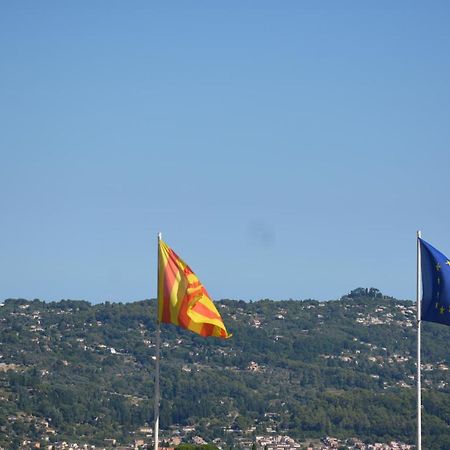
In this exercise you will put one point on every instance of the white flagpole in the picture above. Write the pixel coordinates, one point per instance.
(419, 328)
(157, 356)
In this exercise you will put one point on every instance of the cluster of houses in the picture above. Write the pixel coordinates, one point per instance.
(279, 442)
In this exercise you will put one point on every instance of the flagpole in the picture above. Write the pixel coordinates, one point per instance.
(419, 329)
(157, 356)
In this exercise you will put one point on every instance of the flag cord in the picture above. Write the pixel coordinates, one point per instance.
(419, 329)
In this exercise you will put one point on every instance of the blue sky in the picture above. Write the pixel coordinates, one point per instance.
(284, 149)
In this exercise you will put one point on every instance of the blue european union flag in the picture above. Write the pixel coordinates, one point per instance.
(435, 284)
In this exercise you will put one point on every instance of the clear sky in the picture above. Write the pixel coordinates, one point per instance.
(284, 149)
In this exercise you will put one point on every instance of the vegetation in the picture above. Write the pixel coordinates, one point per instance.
(72, 370)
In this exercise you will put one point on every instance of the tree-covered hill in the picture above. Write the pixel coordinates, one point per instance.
(345, 368)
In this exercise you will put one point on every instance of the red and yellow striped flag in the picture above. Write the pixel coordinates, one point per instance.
(182, 299)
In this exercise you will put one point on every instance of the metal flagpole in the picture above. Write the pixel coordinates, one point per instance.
(157, 356)
(419, 328)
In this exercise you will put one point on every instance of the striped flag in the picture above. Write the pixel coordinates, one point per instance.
(182, 299)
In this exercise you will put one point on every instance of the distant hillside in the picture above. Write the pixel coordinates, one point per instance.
(305, 368)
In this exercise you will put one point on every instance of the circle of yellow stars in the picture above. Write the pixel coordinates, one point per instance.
(442, 309)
